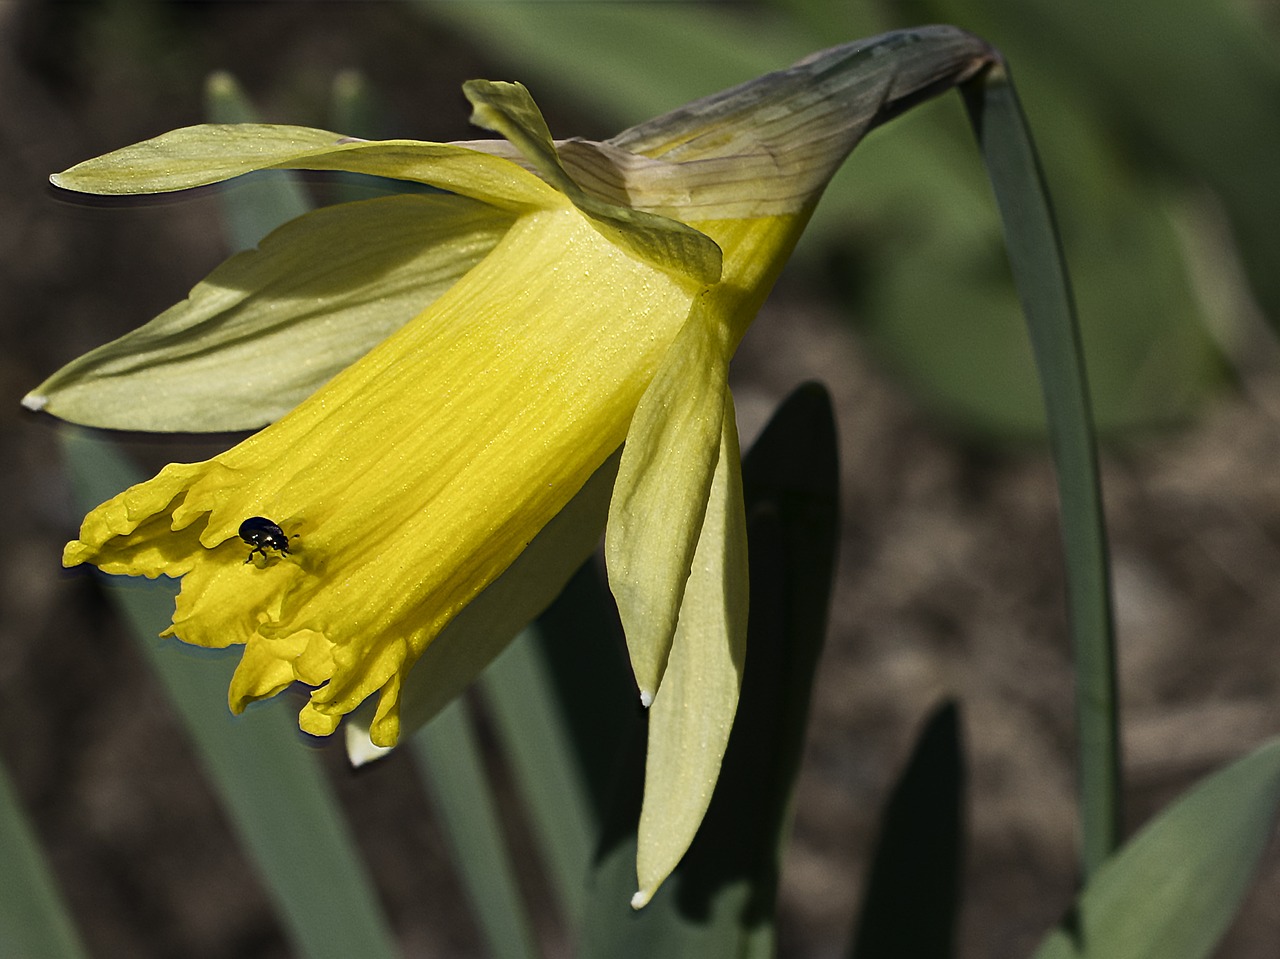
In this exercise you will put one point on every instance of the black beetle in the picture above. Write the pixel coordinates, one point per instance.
(262, 534)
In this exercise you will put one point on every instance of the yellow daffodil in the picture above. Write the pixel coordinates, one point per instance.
(447, 376)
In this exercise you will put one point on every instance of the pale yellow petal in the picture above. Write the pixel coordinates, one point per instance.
(209, 153)
(269, 326)
(661, 492)
(692, 716)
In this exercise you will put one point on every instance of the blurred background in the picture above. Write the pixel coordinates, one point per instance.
(1158, 131)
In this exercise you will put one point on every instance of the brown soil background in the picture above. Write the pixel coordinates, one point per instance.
(949, 582)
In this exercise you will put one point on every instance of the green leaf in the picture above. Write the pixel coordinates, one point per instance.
(358, 108)
(562, 701)
(1040, 275)
(702, 49)
(1171, 892)
(913, 890)
(271, 783)
(449, 758)
(268, 327)
(953, 330)
(538, 745)
(720, 900)
(34, 922)
(253, 206)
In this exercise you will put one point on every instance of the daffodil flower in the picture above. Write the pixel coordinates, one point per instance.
(444, 378)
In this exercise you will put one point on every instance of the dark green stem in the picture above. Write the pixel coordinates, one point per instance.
(1040, 275)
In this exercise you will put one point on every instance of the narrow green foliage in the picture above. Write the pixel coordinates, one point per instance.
(1040, 276)
(359, 110)
(256, 204)
(1199, 92)
(562, 702)
(33, 919)
(1171, 892)
(520, 694)
(449, 759)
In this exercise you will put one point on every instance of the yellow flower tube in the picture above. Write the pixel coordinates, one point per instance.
(446, 378)
(477, 423)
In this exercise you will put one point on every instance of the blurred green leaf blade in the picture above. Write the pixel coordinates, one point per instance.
(450, 764)
(540, 749)
(1171, 892)
(1040, 274)
(1197, 95)
(258, 202)
(34, 921)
